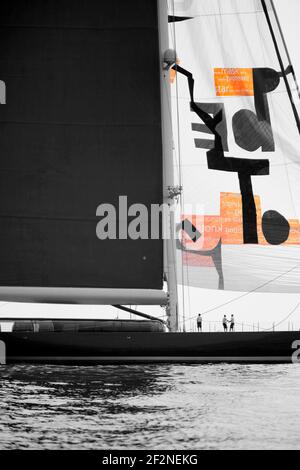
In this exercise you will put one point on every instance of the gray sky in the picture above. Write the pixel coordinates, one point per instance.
(253, 308)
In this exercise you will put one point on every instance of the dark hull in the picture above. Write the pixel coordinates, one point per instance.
(150, 347)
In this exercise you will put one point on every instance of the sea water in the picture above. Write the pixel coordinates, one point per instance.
(150, 407)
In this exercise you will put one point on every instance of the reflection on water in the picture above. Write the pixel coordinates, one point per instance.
(150, 407)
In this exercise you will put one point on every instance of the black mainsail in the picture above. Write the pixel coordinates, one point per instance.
(81, 126)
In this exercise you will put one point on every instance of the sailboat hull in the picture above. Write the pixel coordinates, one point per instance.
(150, 347)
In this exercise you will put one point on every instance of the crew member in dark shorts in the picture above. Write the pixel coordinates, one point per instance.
(232, 323)
(225, 323)
(199, 322)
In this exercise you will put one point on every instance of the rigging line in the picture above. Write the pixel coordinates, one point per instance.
(174, 253)
(244, 37)
(168, 95)
(177, 102)
(285, 318)
(174, 152)
(169, 98)
(281, 64)
(171, 27)
(245, 294)
(250, 325)
(285, 47)
(176, 163)
(262, 42)
(219, 30)
(169, 107)
(188, 288)
(179, 167)
(171, 121)
(207, 15)
(219, 322)
(285, 165)
(135, 312)
(173, 248)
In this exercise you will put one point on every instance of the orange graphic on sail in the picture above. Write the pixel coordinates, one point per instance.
(210, 229)
(172, 76)
(173, 73)
(227, 227)
(234, 82)
(231, 215)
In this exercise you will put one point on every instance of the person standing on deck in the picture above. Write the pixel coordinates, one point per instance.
(225, 323)
(199, 322)
(232, 323)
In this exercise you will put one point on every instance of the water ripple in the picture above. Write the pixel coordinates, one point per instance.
(150, 407)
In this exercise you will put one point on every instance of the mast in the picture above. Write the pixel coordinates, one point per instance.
(168, 170)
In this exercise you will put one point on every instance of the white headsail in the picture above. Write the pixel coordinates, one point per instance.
(236, 128)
